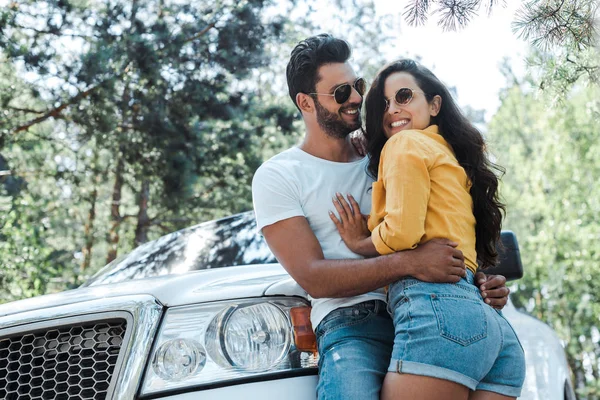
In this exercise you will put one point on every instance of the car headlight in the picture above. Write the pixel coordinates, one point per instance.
(178, 358)
(221, 342)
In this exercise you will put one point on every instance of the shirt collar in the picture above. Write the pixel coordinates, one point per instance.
(433, 132)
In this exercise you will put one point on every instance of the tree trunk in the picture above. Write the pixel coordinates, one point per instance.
(89, 231)
(574, 365)
(143, 222)
(539, 301)
(115, 214)
(594, 362)
(581, 380)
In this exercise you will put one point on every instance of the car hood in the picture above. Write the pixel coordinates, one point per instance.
(174, 290)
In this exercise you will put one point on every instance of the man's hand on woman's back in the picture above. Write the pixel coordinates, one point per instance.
(493, 289)
(437, 260)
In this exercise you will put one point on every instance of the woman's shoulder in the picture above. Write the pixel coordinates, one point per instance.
(411, 139)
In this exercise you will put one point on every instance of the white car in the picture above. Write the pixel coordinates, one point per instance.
(202, 313)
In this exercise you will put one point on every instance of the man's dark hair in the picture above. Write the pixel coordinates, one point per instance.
(308, 56)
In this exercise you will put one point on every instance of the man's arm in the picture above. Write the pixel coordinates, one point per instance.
(352, 227)
(294, 244)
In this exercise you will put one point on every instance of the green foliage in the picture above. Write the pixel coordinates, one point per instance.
(135, 118)
(551, 153)
(122, 121)
(561, 69)
(28, 264)
(570, 24)
(173, 106)
(564, 34)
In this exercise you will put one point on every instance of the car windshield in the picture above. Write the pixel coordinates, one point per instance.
(215, 244)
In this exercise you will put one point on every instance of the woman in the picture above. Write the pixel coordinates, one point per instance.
(433, 179)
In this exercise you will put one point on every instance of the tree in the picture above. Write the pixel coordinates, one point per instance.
(564, 34)
(139, 118)
(570, 23)
(139, 86)
(551, 152)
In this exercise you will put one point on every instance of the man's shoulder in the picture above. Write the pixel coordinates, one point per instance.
(290, 155)
(280, 165)
(287, 161)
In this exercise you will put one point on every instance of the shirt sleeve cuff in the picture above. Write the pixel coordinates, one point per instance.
(261, 223)
(381, 247)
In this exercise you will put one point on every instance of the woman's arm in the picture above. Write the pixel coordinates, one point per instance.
(403, 191)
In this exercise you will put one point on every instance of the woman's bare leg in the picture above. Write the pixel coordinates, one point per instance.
(415, 387)
(485, 395)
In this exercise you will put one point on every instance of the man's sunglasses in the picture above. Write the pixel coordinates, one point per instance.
(342, 93)
(402, 97)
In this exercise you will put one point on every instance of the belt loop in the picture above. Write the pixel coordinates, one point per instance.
(470, 277)
(399, 366)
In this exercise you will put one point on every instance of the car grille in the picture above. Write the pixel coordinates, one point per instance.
(67, 362)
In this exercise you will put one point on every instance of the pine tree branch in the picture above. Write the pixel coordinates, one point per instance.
(154, 221)
(555, 22)
(457, 13)
(55, 112)
(165, 228)
(53, 32)
(416, 13)
(201, 33)
(493, 3)
(26, 110)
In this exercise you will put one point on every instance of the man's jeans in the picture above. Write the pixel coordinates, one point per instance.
(355, 345)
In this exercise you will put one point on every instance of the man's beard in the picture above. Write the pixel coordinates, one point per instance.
(332, 123)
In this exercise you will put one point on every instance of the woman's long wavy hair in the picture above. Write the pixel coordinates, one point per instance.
(466, 142)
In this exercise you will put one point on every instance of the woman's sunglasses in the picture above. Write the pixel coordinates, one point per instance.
(402, 97)
(342, 93)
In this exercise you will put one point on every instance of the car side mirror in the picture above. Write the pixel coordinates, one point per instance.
(509, 257)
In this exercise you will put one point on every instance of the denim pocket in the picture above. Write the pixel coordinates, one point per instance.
(341, 318)
(460, 319)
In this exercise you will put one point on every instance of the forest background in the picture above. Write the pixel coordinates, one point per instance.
(121, 121)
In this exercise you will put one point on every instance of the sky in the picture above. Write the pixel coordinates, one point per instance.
(468, 59)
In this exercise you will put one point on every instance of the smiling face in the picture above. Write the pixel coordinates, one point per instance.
(414, 115)
(337, 120)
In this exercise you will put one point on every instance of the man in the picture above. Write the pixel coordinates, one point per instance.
(292, 197)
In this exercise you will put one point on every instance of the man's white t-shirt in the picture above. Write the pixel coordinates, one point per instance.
(295, 183)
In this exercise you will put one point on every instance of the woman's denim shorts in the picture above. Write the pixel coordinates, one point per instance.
(446, 331)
